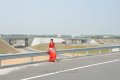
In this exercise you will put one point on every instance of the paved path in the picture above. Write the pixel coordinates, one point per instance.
(26, 49)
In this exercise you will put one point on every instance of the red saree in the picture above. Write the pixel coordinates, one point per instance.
(52, 52)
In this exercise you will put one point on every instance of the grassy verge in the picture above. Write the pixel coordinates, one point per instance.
(85, 52)
(44, 47)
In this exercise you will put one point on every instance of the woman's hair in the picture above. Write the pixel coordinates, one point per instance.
(51, 39)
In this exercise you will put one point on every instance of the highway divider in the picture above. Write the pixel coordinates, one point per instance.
(37, 54)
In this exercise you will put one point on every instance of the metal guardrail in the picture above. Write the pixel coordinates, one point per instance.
(88, 49)
(31, 55)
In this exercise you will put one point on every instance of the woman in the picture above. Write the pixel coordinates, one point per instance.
(51, 50)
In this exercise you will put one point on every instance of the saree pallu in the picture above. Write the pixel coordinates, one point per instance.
(52, 55)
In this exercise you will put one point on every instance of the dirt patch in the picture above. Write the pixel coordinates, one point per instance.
(23, 60)
(6, 48)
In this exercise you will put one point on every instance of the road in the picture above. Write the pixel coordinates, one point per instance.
(97, 67)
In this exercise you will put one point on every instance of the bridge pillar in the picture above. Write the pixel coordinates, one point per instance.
(26, 42)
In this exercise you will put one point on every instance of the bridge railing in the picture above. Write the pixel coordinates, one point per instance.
(35, 54)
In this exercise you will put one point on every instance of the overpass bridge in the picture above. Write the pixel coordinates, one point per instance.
(26, 40)
(12, 39)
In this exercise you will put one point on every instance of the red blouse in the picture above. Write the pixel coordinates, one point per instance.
(51, 45)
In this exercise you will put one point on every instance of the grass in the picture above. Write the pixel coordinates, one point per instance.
(6, 51)
(6, 48)
(44, 47)
(85, 52)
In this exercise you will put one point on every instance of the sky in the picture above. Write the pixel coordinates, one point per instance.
(60, 17)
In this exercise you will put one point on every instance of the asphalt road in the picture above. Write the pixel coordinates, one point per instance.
(97, 67)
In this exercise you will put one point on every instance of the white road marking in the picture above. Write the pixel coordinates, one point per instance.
(48, 74)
